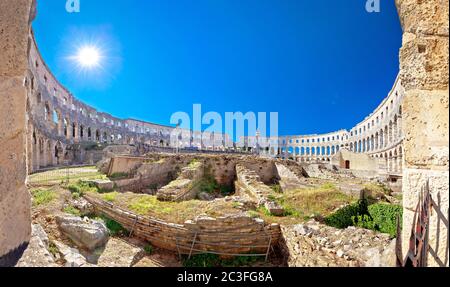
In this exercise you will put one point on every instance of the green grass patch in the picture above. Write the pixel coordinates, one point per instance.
(53, 249)
(329, 186)
(43, 196)
(81, 188)
(212, 260)
(144, 204)
(119, 175)
(72, 210)
(110, 197)
(276, 188)
(195, 163)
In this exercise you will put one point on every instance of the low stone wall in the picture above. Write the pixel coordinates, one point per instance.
(249, 183)
(124, 164)
(226, 236)
(158, 170)
(317, 245)
(288, 179)
(185, 187)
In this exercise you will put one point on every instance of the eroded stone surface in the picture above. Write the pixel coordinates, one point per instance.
(37, 254)
(15, 218)
(86, 233)
(316, 245)
(424, 60)
(119, 253)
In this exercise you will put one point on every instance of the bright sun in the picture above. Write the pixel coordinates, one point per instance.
(88, 57)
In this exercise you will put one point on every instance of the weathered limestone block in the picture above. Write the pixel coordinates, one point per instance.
(185, 187)
(103, 184)
(288, 179)
(89, 234)
(15, 204)
(428, 17)
(249, 183)
(424, 63)
(83, 206)
(119, 253)
(71, 256)
(37, 254)
(426, 118)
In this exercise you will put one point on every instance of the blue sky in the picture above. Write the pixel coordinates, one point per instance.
(322, 65)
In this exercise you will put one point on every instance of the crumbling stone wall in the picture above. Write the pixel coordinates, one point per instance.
(15, 204)
(234, 234)
(424, 74)
(186, 186)
(316, 245)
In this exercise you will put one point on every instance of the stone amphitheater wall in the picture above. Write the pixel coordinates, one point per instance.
(226, 236)
(15, 203)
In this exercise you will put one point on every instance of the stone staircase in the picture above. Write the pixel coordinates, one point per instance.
(249, 182)
(288, 179)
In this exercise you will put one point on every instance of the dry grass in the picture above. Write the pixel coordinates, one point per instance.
(174, 212)
(303, 204)
(377, 188)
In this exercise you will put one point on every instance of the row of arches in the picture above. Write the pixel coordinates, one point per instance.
(392, 160)
(384, 138)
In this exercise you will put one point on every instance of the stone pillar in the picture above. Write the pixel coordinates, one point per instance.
(424, 74)
(15, 203)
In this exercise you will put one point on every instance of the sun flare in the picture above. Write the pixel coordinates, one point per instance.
(88, 57)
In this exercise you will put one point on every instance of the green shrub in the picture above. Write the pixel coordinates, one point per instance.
(80, 188)
(208, 185)
(385, 217)
(226, 190)
(148, 249)
(379, 217)
(343, 218)
(114, 228)
(75, 188)
(363, 221)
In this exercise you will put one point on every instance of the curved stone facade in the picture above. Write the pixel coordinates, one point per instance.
(59, 123)
(379, 135)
